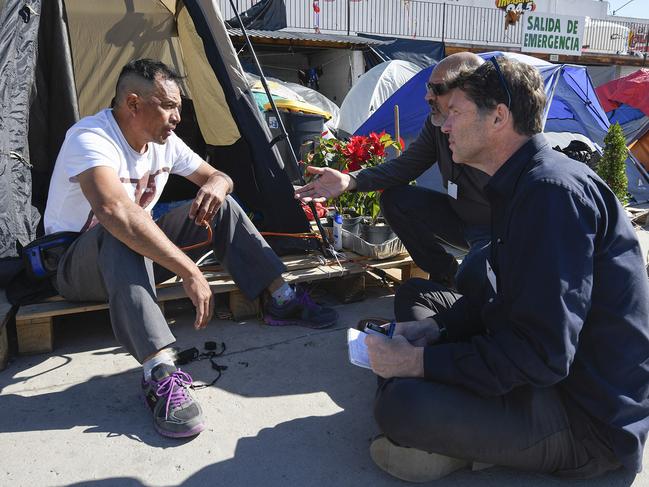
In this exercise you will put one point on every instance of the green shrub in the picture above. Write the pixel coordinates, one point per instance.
(612, 166)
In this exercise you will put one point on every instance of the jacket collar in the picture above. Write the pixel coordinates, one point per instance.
(503, 183)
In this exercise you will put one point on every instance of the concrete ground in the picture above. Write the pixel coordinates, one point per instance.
(289, 410)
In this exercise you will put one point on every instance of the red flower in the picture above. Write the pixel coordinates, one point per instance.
(356, 152)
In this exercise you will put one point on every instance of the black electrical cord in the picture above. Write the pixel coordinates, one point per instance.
(192, 354)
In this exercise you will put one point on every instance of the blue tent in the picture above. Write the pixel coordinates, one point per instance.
(573, 107)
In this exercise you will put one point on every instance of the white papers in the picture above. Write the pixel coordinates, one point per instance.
(357, 348)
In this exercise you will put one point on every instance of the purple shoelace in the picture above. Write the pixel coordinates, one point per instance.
(173, 386)
(303, 298)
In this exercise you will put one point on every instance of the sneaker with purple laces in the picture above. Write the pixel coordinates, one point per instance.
(299, 311)
(175, 412)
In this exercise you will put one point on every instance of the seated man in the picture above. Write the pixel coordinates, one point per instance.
(549, 372)
(110, 172)
(419, 216)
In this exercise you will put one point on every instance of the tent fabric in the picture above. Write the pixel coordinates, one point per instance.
(573, 107)
(626, 103)
(18, 53)
(281, 211)
(54, 107)
(264, 15)
(213, 113)
(630, 90)
(371, 90)
(419, 52)
(105, 35)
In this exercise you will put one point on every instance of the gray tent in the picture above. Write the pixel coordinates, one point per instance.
(59, 61)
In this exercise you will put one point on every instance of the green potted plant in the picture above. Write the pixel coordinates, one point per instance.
(348, 156)
(612, 166)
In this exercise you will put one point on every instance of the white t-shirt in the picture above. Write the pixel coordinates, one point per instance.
(98, 141)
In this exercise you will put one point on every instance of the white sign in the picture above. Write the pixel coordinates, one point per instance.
(554, 34)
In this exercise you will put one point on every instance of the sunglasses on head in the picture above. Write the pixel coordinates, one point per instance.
(437, 89)
(503, 81)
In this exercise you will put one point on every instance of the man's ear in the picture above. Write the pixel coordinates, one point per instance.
(501, 115)
(132, 102)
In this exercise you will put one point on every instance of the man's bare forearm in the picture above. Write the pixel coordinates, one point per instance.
(133, 226)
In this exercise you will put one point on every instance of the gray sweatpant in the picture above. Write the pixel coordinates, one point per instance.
(99, 267)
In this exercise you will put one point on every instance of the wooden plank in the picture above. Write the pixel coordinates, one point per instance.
(215, 273)
(300, 273)
(35, 336)
(241, 307)
(6, 313)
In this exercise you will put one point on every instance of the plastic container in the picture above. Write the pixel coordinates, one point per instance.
(301, 128)
(338, 232)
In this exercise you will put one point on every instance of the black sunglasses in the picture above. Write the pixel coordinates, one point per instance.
(503, 81)
(437, 89)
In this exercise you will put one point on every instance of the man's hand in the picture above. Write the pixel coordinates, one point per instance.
(209, 199)
(328, 183)
(198, 290)
(418, 333)
(394, 357)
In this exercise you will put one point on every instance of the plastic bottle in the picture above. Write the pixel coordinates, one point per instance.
(338, 231)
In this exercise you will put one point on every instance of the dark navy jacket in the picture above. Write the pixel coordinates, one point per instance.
(572, 301)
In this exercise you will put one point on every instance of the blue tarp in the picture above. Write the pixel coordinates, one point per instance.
(573, 107)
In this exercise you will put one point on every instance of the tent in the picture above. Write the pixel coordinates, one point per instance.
(625, 101)
(371, 90)
(59, 61)
(573, 107)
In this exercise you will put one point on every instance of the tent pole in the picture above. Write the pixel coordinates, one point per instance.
(326, 245)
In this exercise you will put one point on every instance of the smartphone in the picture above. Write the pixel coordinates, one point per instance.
(375, 329)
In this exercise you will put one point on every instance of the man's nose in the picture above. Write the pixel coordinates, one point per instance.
(446, 126)
(175, 116)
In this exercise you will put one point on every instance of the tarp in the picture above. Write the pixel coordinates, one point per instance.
(626, 102)
(419, 52)
(630, 90)
(573, 107)
(293, 91)
(264, 15)
(59, 59)
(371, 90)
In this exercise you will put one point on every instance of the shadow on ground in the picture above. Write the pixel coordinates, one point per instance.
(321, 447)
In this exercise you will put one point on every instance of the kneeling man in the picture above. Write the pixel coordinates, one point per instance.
(548, 373)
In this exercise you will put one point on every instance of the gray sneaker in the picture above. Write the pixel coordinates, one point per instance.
(411, 464)
(175, 412)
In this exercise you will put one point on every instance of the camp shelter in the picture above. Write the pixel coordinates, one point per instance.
(59, 61)
(371, 90)
(626, 102)
(572, 107)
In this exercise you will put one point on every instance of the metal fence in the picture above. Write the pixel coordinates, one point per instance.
(421, 19)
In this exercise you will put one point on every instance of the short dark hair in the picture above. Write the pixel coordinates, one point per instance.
(145, 69)
(526, 98)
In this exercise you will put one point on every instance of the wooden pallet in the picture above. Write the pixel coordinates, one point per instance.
(34, 322)
(6, 313)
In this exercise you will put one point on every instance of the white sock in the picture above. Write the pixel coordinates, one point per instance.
(283, 294)
(162, 357)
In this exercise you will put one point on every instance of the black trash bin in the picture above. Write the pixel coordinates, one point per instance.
(301, 127)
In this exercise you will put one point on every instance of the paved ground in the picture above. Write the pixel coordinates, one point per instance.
(289, 410)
